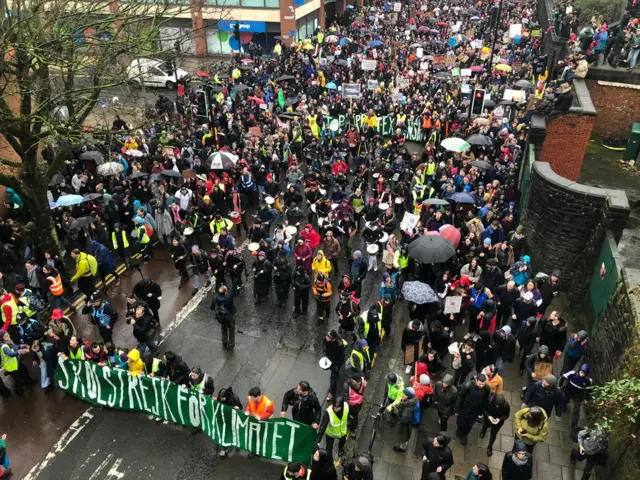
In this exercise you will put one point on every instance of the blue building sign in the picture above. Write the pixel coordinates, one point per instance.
(245, 26)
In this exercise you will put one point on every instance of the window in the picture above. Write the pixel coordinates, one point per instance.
(240, 3)
(307, 25)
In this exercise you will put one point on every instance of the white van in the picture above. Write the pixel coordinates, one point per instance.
(155, 73)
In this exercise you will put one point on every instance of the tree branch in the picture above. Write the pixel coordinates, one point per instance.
(58, 160)
(10, 181)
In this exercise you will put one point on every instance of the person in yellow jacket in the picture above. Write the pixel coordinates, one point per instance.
(218, 223)
(236, 73)
(371, 119)
(136, 366)
(320, 37)
(84, 271)
(313, 124)
(277, 49)
(322, 79)
(320, 264)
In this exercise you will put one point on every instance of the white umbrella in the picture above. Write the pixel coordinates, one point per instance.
(111, 168)
(134, 153)
(222, 160)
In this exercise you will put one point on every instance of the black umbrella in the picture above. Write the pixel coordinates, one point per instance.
(57, 179)
(442, 74)
(171, 173)
(135, 175)
(83, 221)
(489, 103)
(95, 156)
(431, 249)
(482, 165)
(477, 139)
(507, 102)
(341, 62)
(216, 89)
(91, 196)
(241, 87)
(525, 84)
(284, 78)
(155, 177)
(291, 101)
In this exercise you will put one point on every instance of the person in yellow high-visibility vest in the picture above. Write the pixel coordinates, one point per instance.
(335, 424)
(142, 239)
(10, 357)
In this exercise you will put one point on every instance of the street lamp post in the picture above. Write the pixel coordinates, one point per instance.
(495, 36)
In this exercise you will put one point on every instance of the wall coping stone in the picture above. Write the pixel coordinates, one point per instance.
(616, 199)
(584, 97)
(631, 278)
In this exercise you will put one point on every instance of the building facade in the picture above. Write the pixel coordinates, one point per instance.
(208, 25)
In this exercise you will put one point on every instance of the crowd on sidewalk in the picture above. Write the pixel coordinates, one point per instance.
(324, 189)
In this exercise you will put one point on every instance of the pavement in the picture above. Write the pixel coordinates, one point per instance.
(551, 458)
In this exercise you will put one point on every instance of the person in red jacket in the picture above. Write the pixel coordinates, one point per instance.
(423, 389)
(9, 313)
(303, 254)
(308, 233)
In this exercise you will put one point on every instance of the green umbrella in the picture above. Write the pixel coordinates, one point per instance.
(455, 144)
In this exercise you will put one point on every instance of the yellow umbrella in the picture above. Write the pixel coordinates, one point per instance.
(503, 68)
(308, 46)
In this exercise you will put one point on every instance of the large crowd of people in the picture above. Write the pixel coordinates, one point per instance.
(350, 155)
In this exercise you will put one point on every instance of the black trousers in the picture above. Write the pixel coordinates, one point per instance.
(494, 429)
(354, 411)
(324, 309)
(86, 285)
(301, 300)
(444, 422)
(330, 442)
(106, 333)
(592, 461)
(20, 378)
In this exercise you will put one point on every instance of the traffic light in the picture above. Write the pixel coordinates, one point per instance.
(477, 102)
(202, 106)
(494, 14)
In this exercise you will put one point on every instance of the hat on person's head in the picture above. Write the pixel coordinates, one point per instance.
(487, 241)
(2, 333)
(528, 296)
(57, 314)
(261, 253)
(551, 380)
(467, 188)
(20, 288)
(387, 297)
(565, 88)
(424, 379)
(333, 334)
(520, 228)
(582, 335)
(409, 392)
(138, 219)
(206, 197)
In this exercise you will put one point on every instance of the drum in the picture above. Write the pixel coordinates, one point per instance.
(235, 218)
(372, 249)
(383, 206)
(322, 191)
(385, 237)
(269, 200)
(313, 208)
(188, 231)
(399, 200)
(395, 177)
(334, 206)
(216, 238)
(254, 247)
(375, 176)
(325, 363)
(291, 230)
(359, 209)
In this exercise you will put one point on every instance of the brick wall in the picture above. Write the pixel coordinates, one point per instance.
(617, 109)
(566, 142)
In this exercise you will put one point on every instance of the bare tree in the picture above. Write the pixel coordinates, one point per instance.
(59, 57)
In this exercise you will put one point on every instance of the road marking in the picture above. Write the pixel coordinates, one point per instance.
(101, 467)
(114, 471)
(75, 428)
(65, 439)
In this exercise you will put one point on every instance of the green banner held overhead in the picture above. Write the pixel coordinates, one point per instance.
(386, 125)
(277, 439)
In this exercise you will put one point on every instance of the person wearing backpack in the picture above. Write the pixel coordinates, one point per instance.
(86, 269)
(225, 310)
(102, 314)
(409, 414)
(142, 238)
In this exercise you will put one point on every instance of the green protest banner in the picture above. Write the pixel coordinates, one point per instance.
(386, 125)
(277, 439)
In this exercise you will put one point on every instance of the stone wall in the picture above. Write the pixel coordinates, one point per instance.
(613, 331)
(617, 108)
(565, 225)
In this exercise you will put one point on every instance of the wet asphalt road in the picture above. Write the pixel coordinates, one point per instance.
(273, 350)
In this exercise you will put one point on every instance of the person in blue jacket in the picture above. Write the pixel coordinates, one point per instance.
(106, 263)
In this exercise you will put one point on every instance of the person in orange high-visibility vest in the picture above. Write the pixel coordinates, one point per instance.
(259, 407)
(57, 298)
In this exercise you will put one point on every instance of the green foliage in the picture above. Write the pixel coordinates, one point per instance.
(610, 10)
(616, 404)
